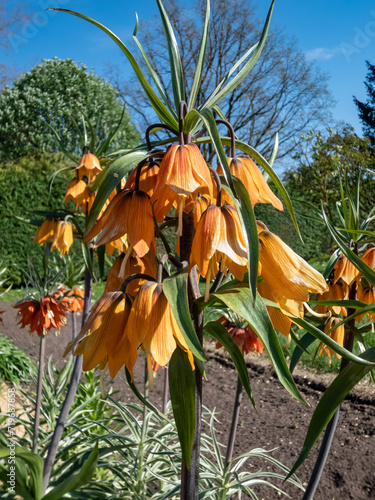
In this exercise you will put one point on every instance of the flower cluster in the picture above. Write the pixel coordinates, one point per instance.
(57, 232)
(41, 316)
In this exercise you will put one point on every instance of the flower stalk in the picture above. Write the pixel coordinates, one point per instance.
(39, 388)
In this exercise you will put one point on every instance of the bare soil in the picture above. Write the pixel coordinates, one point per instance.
(280, 422)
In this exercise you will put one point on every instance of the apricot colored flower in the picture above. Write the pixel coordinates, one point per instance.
(366, 294)
(219, 235)
(121, 245)
(76, 299)
(41, 316)
(337, 334)
(368, 257)
(88, 166)
(246, 170)
(336, 291)
(152, 325)
(45, 232)
(133, 265)
(80, 195)
(130, 214)
(287, 275)
(199, 207)
(147, 178)
(99, 338)
(183, 171)
(63, 237)
(280, 321)
(244, 336)
(345, 270)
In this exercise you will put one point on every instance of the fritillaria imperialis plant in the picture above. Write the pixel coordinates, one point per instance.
(243, 267)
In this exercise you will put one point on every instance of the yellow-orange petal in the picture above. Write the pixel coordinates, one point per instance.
(337, 335)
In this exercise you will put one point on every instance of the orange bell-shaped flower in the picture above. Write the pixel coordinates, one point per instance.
(337, 334)
(41, 316)
(246, 170)
(368, 257)
(88, 166)
(366, 294)
(147, 179)
(336, 291)
(102, 332)
(78, 192)
(345, 270)
(152, 325)
(280, 321)
(45, 232)
(128, 213)
(63, 237)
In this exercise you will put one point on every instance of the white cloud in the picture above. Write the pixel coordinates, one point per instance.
(321, 54)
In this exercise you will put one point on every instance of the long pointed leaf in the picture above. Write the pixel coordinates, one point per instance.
(331, 400)
(239, 300)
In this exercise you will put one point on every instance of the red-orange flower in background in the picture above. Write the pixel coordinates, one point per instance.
(134, 265)
(246, 170)
(128, 213)
(88, 166)
(41, 316)
(152, 325)
(76, 299)
(244, 336)
(337, 334)
(182, 172)
(101, 334)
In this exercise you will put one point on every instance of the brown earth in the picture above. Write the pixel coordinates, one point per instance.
(280, 422)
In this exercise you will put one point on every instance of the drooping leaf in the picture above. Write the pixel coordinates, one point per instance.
(306, 341)
(140, 396)
(249, 228)
(365, 270)
(339, 349)
(109, 179)
(182, 391)
(77, 479)
(159, 108)
(331, 400)
(220, 333)
(174, 58)
(175, 290)
(239, 300)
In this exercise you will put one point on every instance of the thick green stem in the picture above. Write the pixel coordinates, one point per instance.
(72, 389)
(39, 388)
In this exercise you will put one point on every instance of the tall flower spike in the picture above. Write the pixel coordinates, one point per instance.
(152, 325)
(88, 166)
(286, 274)
(102, 332)
(246, 170)
(63, 237)
(183, 171)
(128, 213)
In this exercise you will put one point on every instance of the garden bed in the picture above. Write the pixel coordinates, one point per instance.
(280, 421)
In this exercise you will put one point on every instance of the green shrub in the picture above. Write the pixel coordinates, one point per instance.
(15, 364)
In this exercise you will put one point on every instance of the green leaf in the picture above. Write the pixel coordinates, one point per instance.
(239, 300)
(53, 177)
(87, 257)
(249, 228)
(339, 349)
(77, 479)
(140, 396)
(103, 147)
(247, 67)
(35, 464)
(220, 333)
(182, 391)
(331, 400)
(174, 58)
(365, 270)
(159, 108)
(199, 67)
(175, 289)
(109, 179)
(245, 148)
(364, 308)
(306, 341)
(62, 147)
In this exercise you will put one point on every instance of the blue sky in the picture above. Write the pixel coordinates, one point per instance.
(338, 35)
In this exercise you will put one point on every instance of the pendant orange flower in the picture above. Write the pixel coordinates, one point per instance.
(182, 172)
(130, 214)
(336, 291)
(41, 316)
(368, 257)
(78, 192)
(246, 170)
(337, 334)
(152, 326)
(134, 265)
(366, 294)
(280, 321)
(63, 238)
(101, 334)
(45, 232)
(88, 166)
(147, 179)
(345, 270)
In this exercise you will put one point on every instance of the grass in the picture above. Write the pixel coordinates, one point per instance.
(15, 364)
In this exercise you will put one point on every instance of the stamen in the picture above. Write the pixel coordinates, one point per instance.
(121, 273)
(180, 215)
(314, 313)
